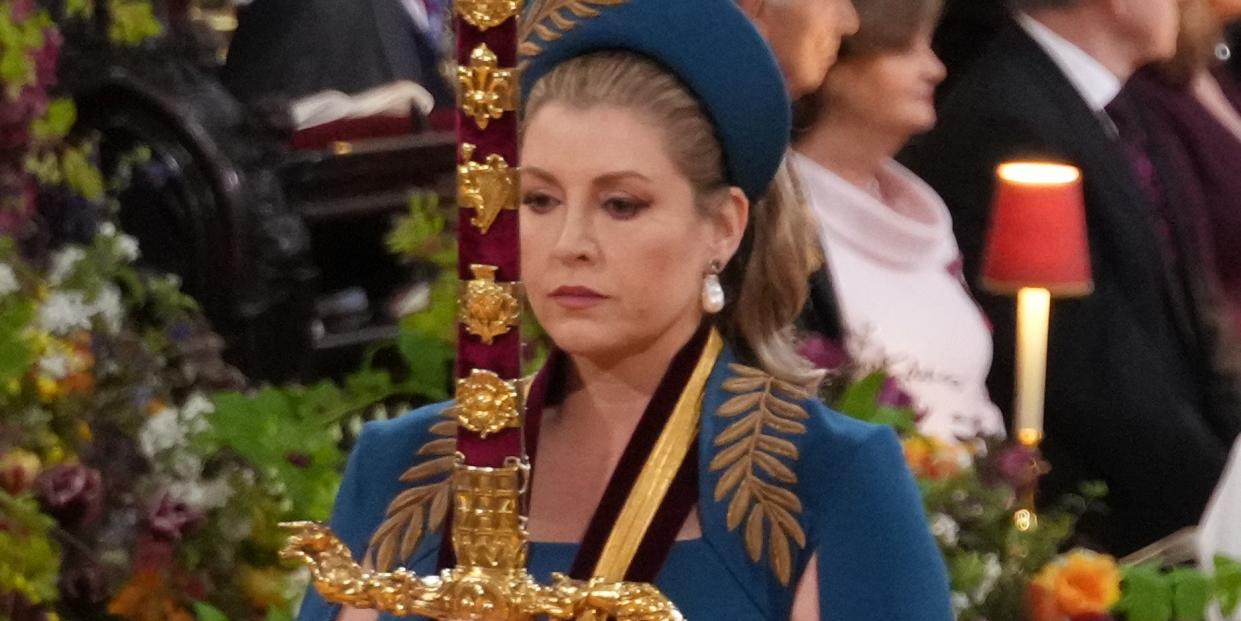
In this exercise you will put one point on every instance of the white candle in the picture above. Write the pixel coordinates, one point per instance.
(1033, 315)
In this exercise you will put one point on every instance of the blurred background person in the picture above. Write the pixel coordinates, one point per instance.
(804, 35)
(887, 236)
(295, 48)
(1133, 397)
(1190, 122)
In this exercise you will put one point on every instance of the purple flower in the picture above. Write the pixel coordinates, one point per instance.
(299, 459)
(73, 494)
(1018, 466)
(171, 519)
(21, 10)
(824, 353)
(893, 395)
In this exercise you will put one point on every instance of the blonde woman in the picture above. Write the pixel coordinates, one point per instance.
(651, 247)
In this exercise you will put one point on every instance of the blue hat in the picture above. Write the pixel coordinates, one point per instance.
(709, 44)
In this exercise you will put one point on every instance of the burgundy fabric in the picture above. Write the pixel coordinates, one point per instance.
(499, 247)
(346, 130)
(1207, 153)
(652, 423)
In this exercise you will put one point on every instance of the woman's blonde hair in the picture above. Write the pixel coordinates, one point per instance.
(766, 282)
(1201, 32)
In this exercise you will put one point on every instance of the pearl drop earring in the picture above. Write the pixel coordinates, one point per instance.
(712, 290)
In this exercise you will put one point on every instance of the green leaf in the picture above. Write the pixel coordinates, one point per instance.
(56, 123)
(133, 22)
(1147, 594)
(861, 398)
(81, 175)
(430, 364)
(15, 354)
(1191, 594)
(206, 612)
(1227, 584)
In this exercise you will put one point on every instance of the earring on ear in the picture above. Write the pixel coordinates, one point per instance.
(712, 290)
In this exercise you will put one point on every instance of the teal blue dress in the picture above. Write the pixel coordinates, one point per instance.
(858, 507)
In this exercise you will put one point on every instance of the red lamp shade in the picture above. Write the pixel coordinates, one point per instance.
(1038, 231)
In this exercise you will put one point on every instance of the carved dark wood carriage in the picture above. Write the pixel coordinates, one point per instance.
(260, 232)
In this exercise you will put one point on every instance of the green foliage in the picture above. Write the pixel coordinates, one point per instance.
(15, 355)
(18, 41)
(133, 22)
(29, 560)
(206, 612)
(57, 121)
(1151, 593)
(282, 432)
(861, 400)
(1227, 584)
(68, 166)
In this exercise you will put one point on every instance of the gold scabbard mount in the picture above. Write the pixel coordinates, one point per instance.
(487, 90)
(488, 308)
(486, 14)
(490, 582)
(487, 404)
(487, 187)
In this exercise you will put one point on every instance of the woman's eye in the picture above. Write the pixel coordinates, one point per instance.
(624, 208)
(539, 202)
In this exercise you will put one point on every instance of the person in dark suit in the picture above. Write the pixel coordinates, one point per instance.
(295, 48)
(965, 29)
(1133, 397)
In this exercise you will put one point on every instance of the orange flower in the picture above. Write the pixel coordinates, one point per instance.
(931, 459)
(148, 597)
(1078, 583)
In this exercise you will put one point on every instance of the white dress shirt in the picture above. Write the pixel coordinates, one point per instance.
(1097, 85)
(1220, 531)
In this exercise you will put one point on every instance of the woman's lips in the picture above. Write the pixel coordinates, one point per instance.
(577, 298)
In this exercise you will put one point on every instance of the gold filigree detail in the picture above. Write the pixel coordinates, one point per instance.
(753, 464)
(486, 403)
(490, 583)
(420, 509)
(486, 90)
(487, 308)
(486, 14)
(551, 19)
(487, 188)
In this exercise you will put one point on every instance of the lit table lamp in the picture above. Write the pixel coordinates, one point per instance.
(1036, 249)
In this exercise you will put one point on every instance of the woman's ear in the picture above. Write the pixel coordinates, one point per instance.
(730, 220)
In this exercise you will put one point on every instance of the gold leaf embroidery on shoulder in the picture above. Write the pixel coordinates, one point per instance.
(756, 464)
(551, 19)
(420, 509)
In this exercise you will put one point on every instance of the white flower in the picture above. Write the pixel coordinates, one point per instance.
(945, 529)
(63, 264)
(960, 603)
(202, 495)
(8, 280)
(55, 365)
(187, 465)
(161, 432)
(990, 575)
(64, 312)
(109, 308)
(196, 406)
(127, 248)
(107, 229)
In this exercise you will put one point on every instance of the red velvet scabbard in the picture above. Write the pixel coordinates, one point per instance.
(499, 245)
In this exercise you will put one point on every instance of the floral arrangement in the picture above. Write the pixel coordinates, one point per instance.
(1002, 568)
(125, 486)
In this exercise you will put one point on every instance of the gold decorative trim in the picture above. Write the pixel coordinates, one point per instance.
(660, 469)
(487, 188)
(486, 14)
(487, 404)
(488, 309)
(486, 90)
(487, 520)
(754, 466)
(551, 19)
(420, 509)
